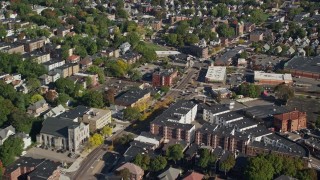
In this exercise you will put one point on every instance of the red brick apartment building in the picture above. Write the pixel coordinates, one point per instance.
(163, 78)
(291, 121)
(222, 137)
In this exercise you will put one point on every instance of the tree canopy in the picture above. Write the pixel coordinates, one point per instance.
(174, 152)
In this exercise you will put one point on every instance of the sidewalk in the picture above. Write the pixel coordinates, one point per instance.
(76, 164)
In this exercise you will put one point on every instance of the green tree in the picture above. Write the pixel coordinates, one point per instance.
(36, 98)
(135, 75)
(259, 168)
(222, 10)
(124, 173)
(158, 163)
(225, 31)
(206, 158)
(107, 130)
(257, 16)
(228, 164)
(175, 152)
(12, 147)
(33, 84)
(6, 108)
(307, 174)
(93, 99)
(131, 113)
(96, 140)
(318, 122)
(142, 160)
(284, 92)
(63, 98)
(65, 85)
(21, 121)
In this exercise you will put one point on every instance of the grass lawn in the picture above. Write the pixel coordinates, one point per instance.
(156, 47)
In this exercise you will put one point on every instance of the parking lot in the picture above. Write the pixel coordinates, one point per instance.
(39, 153)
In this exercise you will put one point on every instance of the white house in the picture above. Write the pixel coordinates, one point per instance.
(124, 47)
(5, 133)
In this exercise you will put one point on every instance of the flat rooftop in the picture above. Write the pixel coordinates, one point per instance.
(307, 64)
(216, 73)
(260, 75)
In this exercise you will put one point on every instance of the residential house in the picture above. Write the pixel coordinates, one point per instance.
(12, 48)
(131, 57)
(96, 118)
(48, 78)
(73, 59)
(85, 62)
(171, 173)
(51, 95)
(136, 172)
(26, 139)
(37, 108)
(54, 112)
(256, 36)
(31, 45)
(198, 51)
(249, 27)
(124, 47)
(94, 78)
(50, 65)
(39, 57)
(6, 133)
(67, 70)
(193, 176)
(111, 52)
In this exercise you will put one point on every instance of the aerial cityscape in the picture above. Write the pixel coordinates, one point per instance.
(159, 89)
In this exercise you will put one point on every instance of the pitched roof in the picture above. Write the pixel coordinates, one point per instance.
(37, 104)
(169, 174)
(4, 133)
(194, 176)
(57, 126)
(134, 169)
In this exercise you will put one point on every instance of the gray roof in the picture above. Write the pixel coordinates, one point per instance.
(258, 131)
(230, 54)
(265, 110)
(170, 174)
(37, 104)
(75, 113)
(57, 126)
(131, 96)
(307, 64)
(294, 147)
(223, 131)
(229, 116)
(44, 170)
(245, 122)
(216, 108)
(4, 132)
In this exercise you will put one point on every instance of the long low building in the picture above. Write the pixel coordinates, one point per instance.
(216, 74)
(262, 78)
(304, 66)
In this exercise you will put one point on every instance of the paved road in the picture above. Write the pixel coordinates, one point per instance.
(85, 170)
(88, 164)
